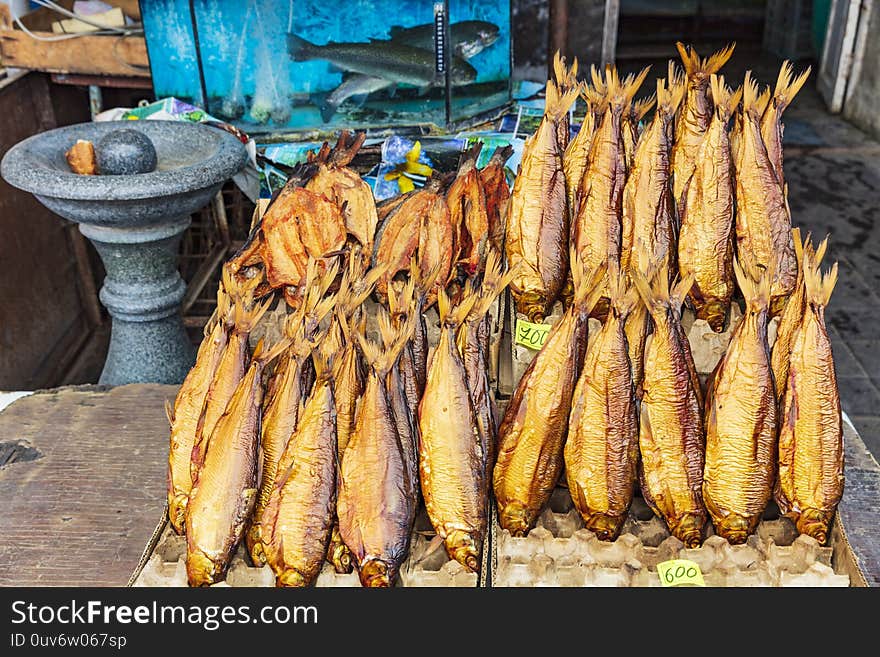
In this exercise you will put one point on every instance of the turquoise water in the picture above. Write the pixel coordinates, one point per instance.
(251, 80)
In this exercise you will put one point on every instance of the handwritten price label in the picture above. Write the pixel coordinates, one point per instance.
(680, 572)
(532, 336)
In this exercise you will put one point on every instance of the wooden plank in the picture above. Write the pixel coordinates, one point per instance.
(91, 55)
(110, 81)
(81, 514)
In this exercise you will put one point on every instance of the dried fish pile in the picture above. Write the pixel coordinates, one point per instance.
(688, 211)
(320, 447)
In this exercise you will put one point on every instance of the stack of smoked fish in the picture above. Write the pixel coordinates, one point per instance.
(321, 447)
(628, 222)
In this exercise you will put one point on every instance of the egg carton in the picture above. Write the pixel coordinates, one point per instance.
(560, 551)
(428, 565)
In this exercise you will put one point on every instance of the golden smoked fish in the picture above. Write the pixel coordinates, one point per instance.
(535, 425)
(671, 420)
(811, 479)
(696, 114)
(567, 80)
(336, 182)
(705, 244)
(494, 181)
(376, 503)
(577, 153)
(473, 345)
(632, 117)
(232, 365)
(537, 230)
(468, 213)
(596, 228)
(184, 416)
(452, 455)
(602, 449)
(741, 421)
(648, 209)
(224, 494)
(787, 88)
(763, 223)
(287, 395)
(298, 518)
(793, 314)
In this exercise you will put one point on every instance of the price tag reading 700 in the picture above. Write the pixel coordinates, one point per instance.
(680, 572)
(531, 335)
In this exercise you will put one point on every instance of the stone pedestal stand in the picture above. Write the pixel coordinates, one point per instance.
(135, 222)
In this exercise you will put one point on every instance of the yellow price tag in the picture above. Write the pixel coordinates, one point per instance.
(531, 335)
(680, 572)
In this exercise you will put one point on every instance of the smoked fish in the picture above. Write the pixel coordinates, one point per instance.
(705, 245)
(787, 87)
(793, 314)
(602, 449)
(567, 80)
(596, 228)
(336, 182)
(452, 455)
(577, 153)
(741, 421)
(497, 191)
(184, 416)
(696, 113)
(376, 504)
(299, 515)
(763, 222)
(811, 477)
(671, 440)
(467, 210)
(535, 425)
(224, 494)
(537, 230)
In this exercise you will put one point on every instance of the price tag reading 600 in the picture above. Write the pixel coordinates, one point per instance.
(680, 572)
(531, 335)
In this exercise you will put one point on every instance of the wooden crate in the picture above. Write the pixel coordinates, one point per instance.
(108, 55)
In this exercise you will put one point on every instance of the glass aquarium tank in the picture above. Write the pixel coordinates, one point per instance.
(307, 65)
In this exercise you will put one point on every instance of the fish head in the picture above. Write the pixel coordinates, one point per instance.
(814, 523)
(376, 573)
(482, 35)
(516, 519)
(734, 527)
(462, 547)
(291, 577)
(689, 530)
(177, 511)
(201, 570)
(462, 72)
(340, 557)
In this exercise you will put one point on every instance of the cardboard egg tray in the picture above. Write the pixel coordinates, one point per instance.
(560, 551)
(164, 564)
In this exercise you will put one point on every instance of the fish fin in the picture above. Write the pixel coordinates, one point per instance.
(247, 316)
(755, 284)
(566, 77)
(622, 293)
(680, 289)
(788, 86)
(299, 49)
(386, 331)
(631, 85)
(587, 284)
(819, 252)
(169, 412)
(557, 102)
(752, 101)
(258, 350)
(323, 358)
(724, 99)
(641, 107)
(383, 359)
(266, 356)
(455, 317)
(494, 282)
(818, 286)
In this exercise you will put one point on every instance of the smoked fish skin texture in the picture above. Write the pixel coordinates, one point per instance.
(535, 425)
(537, 230)
(226, 490)
(696, 113)
(375, 504)
(452, 460)
(299, 515)
(811, 476)
(671, 438)
(763, 223)
(705, 246)
(187, 409)
(602, 449)
(741, 424)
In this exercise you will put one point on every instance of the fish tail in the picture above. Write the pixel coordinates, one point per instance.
(266, 356)
(299, 49)
(323, 358)
(588, 286)
(456, 316)
(382, 357)
(631, 85)
(622, 293)
(558, 102)
(755, 284)
(715, 61)
(247, 315)
(788, 86)
(471, 154)
(818, 286)
(344, 151)
(641, 107)
(494, 282)
(169, 412)
(754, 102)
(501, 154)
(724, 99)
(566, 77)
